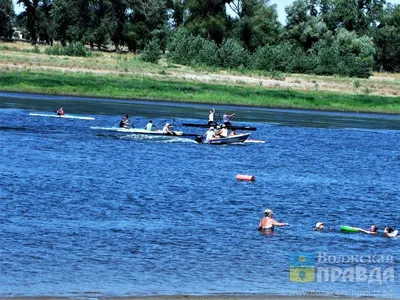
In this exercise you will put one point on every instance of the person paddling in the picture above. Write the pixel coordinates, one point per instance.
(167, 129)
(125, 122)
(60, 111)
(267, 223)
(211, 117)
(227, 118)
(149, 126)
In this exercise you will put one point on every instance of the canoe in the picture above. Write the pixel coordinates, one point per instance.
(238, 138)
(229, 127)
(139, 131)
(346, 228)
(62, 117)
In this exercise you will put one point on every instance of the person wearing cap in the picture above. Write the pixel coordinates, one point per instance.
(319, 226)
(211, 117)
(210, 134)
(267, 223)
(373, 230)
(60, 111)
(167, 129)
(227, 118)
(223, 132)
(149, 126)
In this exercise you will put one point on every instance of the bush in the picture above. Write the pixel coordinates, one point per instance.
(74, 49)
(274, 58)
(233, 55)
(180, 47)
(152, 52)
(208, 54)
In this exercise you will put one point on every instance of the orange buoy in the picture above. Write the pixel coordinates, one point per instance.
(245, 177)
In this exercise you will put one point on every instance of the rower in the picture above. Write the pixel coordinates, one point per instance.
(227, 118)
(149, 126)
(124, 123)
(211, 117)
(60, 111)
(167, 129)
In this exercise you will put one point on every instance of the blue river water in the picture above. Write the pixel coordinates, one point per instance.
(90, 212)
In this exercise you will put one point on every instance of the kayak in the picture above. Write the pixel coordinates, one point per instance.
(232, 127)
(62, 116)
(346, 228)
(139, 131)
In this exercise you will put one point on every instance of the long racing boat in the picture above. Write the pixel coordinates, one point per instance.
(139, 131)
(232, 127)
(61, 116)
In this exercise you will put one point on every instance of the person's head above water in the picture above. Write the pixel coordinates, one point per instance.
(374, 228)
(268, 212)
(319, 226)
(388, 230)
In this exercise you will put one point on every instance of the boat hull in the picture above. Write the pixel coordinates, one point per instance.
(139, 131)
(62, 116)
(248, 128)
(238, 138)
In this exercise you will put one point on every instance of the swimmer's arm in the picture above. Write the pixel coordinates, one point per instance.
(279, 224)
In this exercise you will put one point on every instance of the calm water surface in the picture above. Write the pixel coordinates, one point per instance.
(86, 211)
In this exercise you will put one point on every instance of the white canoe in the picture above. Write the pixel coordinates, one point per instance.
(63, 116)
(139, 131)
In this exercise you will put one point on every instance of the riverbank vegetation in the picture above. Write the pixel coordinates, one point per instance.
(25, 68)
(321, 37)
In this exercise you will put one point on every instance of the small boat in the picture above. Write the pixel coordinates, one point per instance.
(234, 139)
(139, 131)
(62, 116)
(232, 127)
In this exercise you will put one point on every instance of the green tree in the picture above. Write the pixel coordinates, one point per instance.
(256, 23)
(6, 16)
(31, 17)
(152, 52)
(357, 15)
(387, 40)
(207, 18)
(304, 26)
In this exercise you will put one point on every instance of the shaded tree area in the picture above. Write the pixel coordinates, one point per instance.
(345, 37)
(6, 17)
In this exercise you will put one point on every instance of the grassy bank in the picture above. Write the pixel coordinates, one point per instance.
(135, 87)
(111, 75)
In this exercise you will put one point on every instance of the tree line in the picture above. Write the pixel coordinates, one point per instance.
(344, 37)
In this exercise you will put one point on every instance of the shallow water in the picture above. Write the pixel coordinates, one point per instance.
(86, 211)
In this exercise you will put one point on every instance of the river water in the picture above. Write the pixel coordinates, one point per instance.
(88, 212)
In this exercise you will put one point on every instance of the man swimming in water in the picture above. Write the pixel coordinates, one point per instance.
(267, 223)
